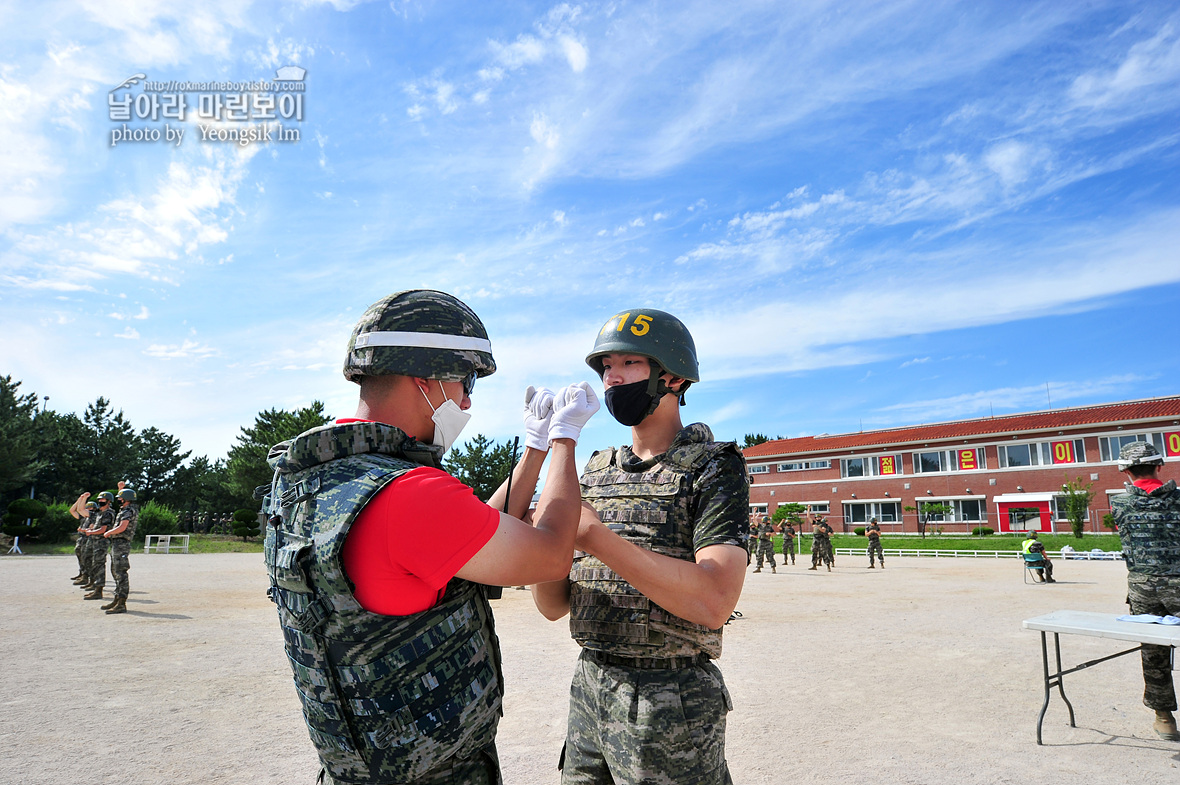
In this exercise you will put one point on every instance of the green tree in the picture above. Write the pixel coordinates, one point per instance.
(197, 485)
(110, 451)
(155, 518)
(928, 512)
(245, 524)
(1075, 498)
(66, 470)
(755, 438)
(160, 459)
(481, 464)
(246, 466)
(791, 512)
(19, 460)
(21, 518)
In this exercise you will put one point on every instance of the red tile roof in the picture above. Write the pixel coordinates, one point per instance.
(1056, 419)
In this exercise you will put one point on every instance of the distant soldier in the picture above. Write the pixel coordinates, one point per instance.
(788, 543)
(1148, 517)
(99, 544)
(762, 534)
(873, 532)
(120, 537)
(821, 544)
(84, 512)
(1033, 545)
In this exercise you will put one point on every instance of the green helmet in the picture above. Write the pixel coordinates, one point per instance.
(657, 335)
(419, 332)
(107, 496)
(91, 506)
(127, 494)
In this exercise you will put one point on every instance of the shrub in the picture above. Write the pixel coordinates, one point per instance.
(859, 531)
(20, 511)
(1108, 522)
(56, 525)
(155, 519)
(982, 531)
(245, 524)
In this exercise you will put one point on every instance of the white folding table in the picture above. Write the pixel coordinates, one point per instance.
(1094, 625)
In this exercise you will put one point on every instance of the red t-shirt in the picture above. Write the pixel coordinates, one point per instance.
(411, 539)
(1147, 484)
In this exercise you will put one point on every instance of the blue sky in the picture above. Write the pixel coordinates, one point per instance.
(868, 214)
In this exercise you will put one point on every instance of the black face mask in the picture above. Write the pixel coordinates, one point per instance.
(630, 403)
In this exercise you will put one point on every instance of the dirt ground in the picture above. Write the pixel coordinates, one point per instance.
(920, 673)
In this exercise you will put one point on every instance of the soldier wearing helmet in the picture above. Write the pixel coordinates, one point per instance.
(663, 556)
(85, 512)
(373, 602)
(1148, 518)
(97, 544)
(120, 536)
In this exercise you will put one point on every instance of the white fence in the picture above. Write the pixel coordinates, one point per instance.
(964, 554)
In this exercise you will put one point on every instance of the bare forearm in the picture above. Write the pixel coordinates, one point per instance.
(704, 592)
(524, 484)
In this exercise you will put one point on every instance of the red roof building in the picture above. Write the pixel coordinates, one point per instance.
(1005, 473)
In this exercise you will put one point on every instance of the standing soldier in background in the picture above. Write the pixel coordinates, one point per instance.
(821, 543)
(99, 545)
(788, 542)
(762, 534)
(873, 532)
(85, 512)
(120, 538)
(664, 553)
(1148, 518)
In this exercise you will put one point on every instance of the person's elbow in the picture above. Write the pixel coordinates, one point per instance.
(555, 565)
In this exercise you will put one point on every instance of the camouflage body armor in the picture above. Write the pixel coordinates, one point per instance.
(653, 509)
(130, 513)
(1149, 526)
(386, 698)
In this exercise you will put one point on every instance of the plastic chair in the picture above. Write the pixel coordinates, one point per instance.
(1034, 565)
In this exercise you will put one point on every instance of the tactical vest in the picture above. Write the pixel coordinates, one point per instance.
(130, 513)
(106, 518)
(1149, 526)
(651, 509)
(386, 698)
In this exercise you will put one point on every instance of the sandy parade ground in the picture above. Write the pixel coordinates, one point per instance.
(919, 673)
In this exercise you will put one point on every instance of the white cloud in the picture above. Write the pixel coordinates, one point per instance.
(559, 218)
(184, 349)
(543, 132)
(915, 361)
(130, 333)
(525, 50)
(575, 53)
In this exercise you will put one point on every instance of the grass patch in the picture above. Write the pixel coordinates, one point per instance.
(197, 543)
(994, 542)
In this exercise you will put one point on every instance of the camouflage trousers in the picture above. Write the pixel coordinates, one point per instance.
(78, 554)
(875, 548)
(482, 768)
(120, 564)
(764, 548)
(1159, 595)
(98, 561)
(788, 549)
(633, 726)
(821, 553)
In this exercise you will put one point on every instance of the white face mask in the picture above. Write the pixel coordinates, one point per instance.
(449, 419)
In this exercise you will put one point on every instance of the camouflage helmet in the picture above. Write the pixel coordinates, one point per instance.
(419, 332)
(127, 494)
(91, 506)
(657, 335)
(106, 496)
(1139, 454)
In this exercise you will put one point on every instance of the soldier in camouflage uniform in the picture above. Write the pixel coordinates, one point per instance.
(1148, 518)
(821, 544)
(762, 537)
(663, 556)
(873, 532)
(788, 543)
(387, 626)
(85, 512)
(99, 545)
(120, 537)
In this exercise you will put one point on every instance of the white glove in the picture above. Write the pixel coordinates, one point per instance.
(538, 408)
(573, 406)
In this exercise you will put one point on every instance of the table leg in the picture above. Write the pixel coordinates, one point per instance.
(1061, 679)
(1045, 705)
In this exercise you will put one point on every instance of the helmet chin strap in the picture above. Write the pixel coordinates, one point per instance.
(657, 388)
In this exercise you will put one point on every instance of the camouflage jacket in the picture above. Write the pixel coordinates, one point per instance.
(385, 698)
(105, 519)
(130, 513)
(694, 495)
(873, 533)
(1149, 526)
(762, 531)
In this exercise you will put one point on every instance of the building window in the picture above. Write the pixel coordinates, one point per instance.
(761, 468)
(820, 508)
(1064, 451)
(884, 512)
(1024, 519)
(796, 466)
(758, 508)
(884, 465)
(949, 460)
(1017, 455)
(1059, 510)
(962, 510)
(1109, 446)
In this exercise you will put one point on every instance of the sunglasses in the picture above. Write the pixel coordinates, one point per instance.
(469, 383)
